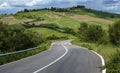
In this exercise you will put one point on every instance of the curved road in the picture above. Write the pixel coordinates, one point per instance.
(62, 57)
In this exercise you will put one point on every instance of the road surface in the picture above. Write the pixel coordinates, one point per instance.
(62, 57)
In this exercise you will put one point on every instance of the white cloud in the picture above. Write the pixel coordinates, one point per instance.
(38, 2)
(105, 5)
(112, 7)
(5, 5)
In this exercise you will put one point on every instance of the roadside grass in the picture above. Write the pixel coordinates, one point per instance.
(49, 32)
(14, 57)
(107, 51)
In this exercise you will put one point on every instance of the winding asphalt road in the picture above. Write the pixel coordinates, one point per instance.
(62, 57)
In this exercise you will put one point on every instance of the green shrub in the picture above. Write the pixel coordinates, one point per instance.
(91, 33)
(82, 29)
(94, 33)
(53, 37)
(87, 46)
(13, 38)
(104, 40)
(113, 65)
(9, 58)
(35, 37)
(68, 30)
(114, 33)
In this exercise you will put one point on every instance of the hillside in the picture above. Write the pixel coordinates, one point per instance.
(61, 16)
(65, 23)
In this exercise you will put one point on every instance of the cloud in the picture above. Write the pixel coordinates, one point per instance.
(110, 1)
(104, 5)
(111, 4)
(112, 7)
(38, 2)
(5, 6)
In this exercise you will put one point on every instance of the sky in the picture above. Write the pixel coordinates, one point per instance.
(12, 6)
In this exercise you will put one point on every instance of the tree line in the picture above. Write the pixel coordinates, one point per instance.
(95, 33)
(98, 13)
(14, 38)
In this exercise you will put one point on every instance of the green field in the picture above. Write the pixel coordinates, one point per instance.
(48, 32)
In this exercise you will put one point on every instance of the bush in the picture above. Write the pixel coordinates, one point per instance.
(114, 33)
(53, 37)
(91, 33)
(94, 33)
(68, 30)
(50, 26)
(35, 37)
(87, 46)
(82, 29)
(13, 38)
(113, 64)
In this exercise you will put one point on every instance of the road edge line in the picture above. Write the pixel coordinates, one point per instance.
(66, 51)
(102, 60)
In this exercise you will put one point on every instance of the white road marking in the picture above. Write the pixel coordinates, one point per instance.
(103, 61)
(66, 51)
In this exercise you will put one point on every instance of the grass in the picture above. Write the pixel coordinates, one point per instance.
(68, 22)
(48, 32)
(14, 57)
(87, 18)
(62, 19)
(104, 26)
(94, 14)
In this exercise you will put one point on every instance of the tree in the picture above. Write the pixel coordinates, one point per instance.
(13, 38)
(53, 8)
(114, 33)
(112, 16)
(26, 10)
(94, 33)
(82, 28)
(91, 33)
(79, 6)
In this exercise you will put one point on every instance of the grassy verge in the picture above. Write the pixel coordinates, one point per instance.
(14, 57)
(107, 51)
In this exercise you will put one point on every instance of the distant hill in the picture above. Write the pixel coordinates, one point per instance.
(79, 10)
